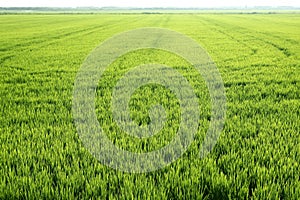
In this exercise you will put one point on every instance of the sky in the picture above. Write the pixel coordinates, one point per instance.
(148, 3)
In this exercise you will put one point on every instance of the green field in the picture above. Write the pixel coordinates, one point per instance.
(256, 157)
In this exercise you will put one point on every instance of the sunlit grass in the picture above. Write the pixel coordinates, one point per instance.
(257, 155)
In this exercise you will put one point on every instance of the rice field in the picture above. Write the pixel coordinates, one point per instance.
(257, 155)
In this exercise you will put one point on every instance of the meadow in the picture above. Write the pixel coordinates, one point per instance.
(256, 157)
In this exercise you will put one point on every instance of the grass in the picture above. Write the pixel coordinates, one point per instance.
(256, 157)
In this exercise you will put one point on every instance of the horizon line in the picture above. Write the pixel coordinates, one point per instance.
(154, 7)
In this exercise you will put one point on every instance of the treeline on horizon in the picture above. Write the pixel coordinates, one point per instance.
(138, 8)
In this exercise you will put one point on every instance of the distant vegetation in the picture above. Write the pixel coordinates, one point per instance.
(264, 9)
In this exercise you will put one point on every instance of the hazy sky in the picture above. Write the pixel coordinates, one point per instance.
(147, 3)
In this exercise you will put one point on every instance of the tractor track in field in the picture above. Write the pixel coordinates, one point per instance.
(285, 51)
(35, 42)
(220, 29)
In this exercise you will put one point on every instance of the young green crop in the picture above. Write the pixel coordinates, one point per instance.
(257, 154)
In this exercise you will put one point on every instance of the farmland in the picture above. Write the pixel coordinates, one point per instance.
(257, 155)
